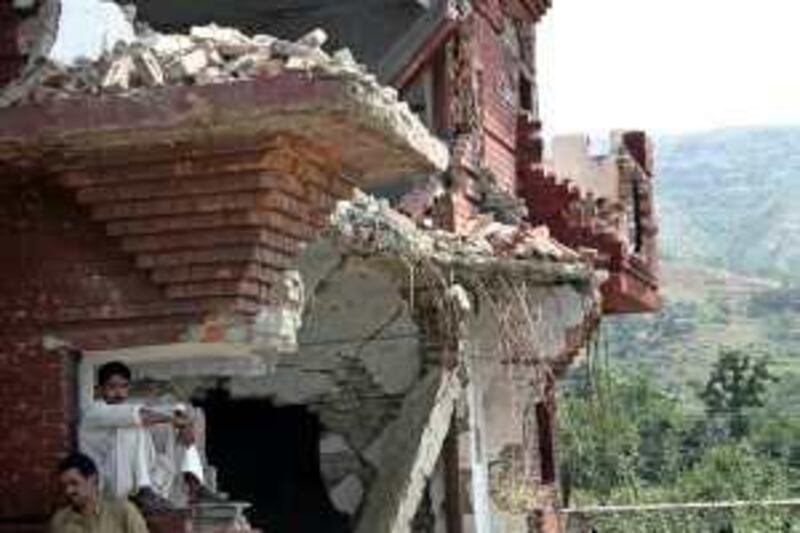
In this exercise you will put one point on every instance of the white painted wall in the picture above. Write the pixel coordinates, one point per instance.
(571, 158)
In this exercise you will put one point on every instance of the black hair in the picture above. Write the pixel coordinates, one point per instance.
(80, 462)
(113, 368)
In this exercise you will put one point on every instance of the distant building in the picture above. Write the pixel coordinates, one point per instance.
(378, 362)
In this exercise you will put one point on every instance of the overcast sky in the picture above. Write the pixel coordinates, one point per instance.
(669, 65)
(662, 65)
(86, 26)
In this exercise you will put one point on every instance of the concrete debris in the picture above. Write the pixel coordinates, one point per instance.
(299, 63)
(344, 56)
(189, 65)
(229, 41)
(372, 226)
(118, 75)
(316, 38)
(206, 55)
(419, 201)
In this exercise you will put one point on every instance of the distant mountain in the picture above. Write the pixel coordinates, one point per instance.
(731, 199)
(729, 213)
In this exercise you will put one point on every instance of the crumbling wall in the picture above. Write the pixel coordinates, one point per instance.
(360, 367)
(507, 380)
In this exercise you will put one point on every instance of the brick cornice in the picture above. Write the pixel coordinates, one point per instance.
(369, 139)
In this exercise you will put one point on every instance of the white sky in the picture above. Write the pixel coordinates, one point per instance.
(669, 65)
(661, 65)
(88, 26)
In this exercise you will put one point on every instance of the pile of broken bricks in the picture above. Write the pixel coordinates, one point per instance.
(216, 55)
(371, 225)
(206, 55)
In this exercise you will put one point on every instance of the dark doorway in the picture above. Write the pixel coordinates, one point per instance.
(269, 457)
(544, 423)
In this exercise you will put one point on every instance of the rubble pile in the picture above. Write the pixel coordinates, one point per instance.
(207, 55)
(213, 55)
(372, 226)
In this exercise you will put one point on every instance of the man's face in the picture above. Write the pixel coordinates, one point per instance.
(80, 491)
(115, 389)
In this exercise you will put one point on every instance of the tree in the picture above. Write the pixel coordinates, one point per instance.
(618, 432)
(737, 382)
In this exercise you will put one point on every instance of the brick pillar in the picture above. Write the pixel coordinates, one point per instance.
(638, 145)
(35, 423)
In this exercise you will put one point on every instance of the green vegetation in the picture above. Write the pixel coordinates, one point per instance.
(622, 440)
(688, 408)
(728, 199)
(729, 234)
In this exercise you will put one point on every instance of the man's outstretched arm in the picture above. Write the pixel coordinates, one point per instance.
(103, 415)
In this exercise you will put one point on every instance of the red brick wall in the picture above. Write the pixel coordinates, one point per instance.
(78, 272)
(51, 260)
(10, 60)
(211, 225)
(33, 420)
(499, 101)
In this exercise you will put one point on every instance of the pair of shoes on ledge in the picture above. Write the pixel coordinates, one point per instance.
(203, 494)
(149, 502)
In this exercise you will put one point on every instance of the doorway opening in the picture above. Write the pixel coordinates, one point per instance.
(269, 456)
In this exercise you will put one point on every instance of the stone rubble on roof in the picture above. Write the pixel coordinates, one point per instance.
(371, 226)
(216, 55)
(207, 55)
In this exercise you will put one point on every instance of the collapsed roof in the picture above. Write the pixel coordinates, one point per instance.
(275, 85)
(368, 27)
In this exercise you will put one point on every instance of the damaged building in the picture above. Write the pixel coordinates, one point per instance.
(330, 226)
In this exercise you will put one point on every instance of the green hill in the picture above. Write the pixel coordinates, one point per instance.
(729, 213)
(731, 199)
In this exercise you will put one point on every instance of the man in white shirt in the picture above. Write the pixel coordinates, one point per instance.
(117, 435)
